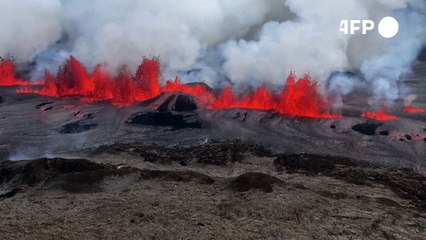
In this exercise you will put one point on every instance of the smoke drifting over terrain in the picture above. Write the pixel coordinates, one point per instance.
(244, 41)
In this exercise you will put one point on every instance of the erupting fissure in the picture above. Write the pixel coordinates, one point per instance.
(380, 115)
(298, 98)
(410, 109)
(7, 75)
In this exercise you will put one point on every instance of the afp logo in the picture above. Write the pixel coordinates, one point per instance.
(388, 27)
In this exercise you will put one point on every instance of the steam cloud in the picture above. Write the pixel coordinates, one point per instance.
(245, 41)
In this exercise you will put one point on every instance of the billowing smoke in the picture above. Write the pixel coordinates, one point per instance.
(311, 43)
(384, 70)
(242, 41)
(182, 33)
(28, 27)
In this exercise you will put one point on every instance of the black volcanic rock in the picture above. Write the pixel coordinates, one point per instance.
(38, 106)
(78, 175)
(79, 126)
(185, 103)
(1, 99)
(253, 180)
(178, 103)
(42, 170)
(165, 119)
(10, 193)
(176, 112)
(366, 128)
(164, 107)
(384, 133)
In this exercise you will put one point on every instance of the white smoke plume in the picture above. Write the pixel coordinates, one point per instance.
(383, 71)
(180, 32)
(242, 41)
(311, 43)
(28, 27)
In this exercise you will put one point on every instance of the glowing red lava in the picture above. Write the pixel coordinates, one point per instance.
(7, 75)
(298, 98)
(381, 115)
(409, 109)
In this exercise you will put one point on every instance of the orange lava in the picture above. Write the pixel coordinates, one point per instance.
(381, 115)
(410, 109)
(7, 75)
(298, 98)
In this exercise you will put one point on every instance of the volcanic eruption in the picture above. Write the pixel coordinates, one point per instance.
(298, 98)
(72, 55)
(244, 119)
(280, 75)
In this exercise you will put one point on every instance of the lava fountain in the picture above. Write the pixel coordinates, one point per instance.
(299, 97)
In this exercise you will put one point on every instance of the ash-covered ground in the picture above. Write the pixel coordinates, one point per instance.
(169, 168)
(226, 190)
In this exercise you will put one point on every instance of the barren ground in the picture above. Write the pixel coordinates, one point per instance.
(242, 193)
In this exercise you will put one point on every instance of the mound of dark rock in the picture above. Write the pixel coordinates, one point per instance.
(43, 104)
(79, 126)
(77, 175)
(74, 175)
(178, 103)
(165, 106)
(184, 103)
(37, 171)
(367, 128)
(177, 112)
(253, 180)
(165, 119)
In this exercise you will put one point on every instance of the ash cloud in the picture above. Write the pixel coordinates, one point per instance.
(244, 42)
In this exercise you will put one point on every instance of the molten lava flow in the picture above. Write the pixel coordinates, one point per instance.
(409, 109)
(225, 99)
(260, 99)
(381, 115)
(298, 98)
(7, 74)
(146, 79)
(103, 86)
(72, 79)
(122, 90)
(302, 98)
(198, 90)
